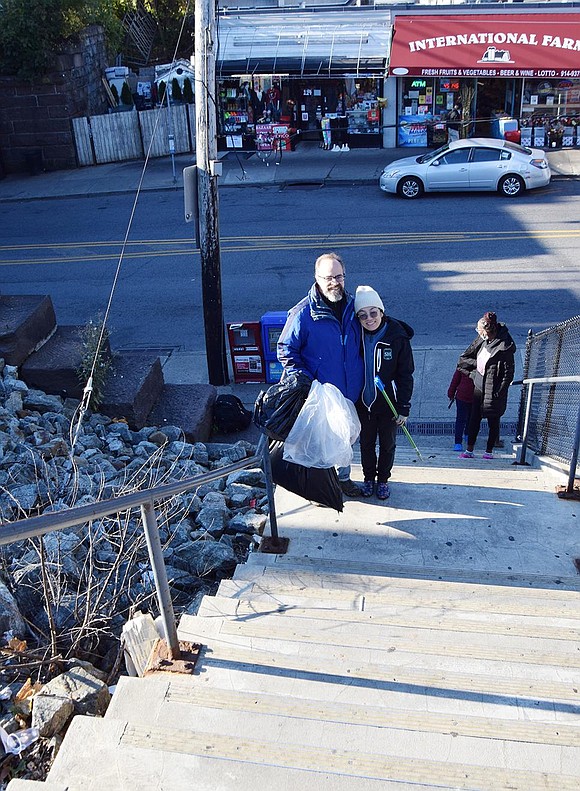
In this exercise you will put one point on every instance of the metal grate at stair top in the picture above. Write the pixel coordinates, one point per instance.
(447, 427)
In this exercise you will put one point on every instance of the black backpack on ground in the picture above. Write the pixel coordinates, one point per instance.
(230, 415)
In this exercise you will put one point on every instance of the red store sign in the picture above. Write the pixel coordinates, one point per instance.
(506, 45)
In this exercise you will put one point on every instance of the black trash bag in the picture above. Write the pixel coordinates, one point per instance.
(277, 408)
(312, 483)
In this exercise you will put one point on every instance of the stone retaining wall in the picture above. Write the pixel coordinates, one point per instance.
(35, 118)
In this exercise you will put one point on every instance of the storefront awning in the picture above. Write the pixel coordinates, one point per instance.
(502, 45)
(352, 41)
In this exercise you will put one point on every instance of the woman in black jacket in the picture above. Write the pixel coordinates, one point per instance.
(489, 361)
(387, 354)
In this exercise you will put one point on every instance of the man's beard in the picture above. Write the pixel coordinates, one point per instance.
(334, 295)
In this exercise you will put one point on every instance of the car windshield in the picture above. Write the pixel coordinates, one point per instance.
(431, 155)
(517, 147)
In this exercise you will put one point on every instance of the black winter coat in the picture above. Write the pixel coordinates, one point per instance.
(493, 387)
(393, 363)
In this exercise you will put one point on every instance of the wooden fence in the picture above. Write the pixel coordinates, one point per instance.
(130, 135)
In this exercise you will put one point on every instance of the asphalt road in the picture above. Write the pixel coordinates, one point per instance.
(438, 262)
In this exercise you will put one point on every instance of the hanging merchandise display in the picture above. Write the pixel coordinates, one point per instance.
(256, 113)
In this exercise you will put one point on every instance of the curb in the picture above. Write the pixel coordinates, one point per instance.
(324, 182)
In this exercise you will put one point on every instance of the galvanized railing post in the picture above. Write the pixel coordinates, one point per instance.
(574, 459)
(267, 468)
(524, 448)
(160, 575)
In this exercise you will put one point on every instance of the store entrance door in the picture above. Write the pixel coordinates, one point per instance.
(494, 97)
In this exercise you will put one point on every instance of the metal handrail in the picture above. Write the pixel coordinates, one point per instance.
(529, 383)
(59, 520)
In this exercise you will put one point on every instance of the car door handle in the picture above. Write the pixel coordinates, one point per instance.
(462, 170)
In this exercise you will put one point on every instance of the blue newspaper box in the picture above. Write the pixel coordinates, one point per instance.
(272, 323)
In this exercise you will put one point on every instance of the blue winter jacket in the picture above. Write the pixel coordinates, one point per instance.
(313, 341)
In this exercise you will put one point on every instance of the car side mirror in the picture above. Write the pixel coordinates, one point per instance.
(436, 163)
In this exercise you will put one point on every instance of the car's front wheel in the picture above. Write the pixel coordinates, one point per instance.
(410, 187)
(511, 186)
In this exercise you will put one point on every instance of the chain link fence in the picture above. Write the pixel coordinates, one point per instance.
(554, 410)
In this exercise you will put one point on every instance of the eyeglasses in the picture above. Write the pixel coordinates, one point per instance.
(330, 278)
(372, 314)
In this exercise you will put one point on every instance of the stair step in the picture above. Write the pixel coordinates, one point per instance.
(346, 572)
(26, 321)
(377, 577)
(296, 722)
(309, 672)
(188, 406)
(139, 758)
(133, 387)
(54, 367)
(191, 693)
(458, 597)
(530, 661)
(145, 756)
(495, 624)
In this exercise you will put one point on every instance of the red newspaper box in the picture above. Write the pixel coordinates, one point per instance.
(245, 339)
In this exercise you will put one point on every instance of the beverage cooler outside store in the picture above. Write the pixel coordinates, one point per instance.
(475, 75)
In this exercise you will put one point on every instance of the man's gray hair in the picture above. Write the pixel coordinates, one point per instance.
(331, 255)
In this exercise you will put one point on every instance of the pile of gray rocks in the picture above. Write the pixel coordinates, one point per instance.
(101, 572)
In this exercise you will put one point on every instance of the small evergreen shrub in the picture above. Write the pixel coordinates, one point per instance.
(161, 91)
(126, 95)
(187, 91)
(176, 93)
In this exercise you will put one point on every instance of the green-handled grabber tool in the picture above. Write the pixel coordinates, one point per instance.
(380, 385)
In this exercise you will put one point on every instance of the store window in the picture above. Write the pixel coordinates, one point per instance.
(551, 113)
(339, 112)
(551, 97)
(363, 109)
(431, 110)
(416, 110)
(252, 106)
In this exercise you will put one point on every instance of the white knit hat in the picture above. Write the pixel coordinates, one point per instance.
(367, 297)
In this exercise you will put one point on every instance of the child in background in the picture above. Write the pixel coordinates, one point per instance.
(387, 354)
(461, 389)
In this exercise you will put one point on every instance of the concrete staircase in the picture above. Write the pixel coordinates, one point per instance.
(360, 661)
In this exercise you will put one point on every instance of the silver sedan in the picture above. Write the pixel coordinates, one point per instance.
(472, 164)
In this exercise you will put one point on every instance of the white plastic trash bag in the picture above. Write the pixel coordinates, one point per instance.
(324, 431)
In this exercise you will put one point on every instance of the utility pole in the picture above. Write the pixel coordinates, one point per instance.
(207, 170)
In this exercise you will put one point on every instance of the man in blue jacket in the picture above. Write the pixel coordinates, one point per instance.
(321, 338)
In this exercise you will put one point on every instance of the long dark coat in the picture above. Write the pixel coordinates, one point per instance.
(498, 374)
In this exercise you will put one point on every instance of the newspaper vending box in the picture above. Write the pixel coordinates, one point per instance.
(246, 351)
(272, 324)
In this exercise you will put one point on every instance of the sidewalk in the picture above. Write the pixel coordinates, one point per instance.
(308, 164)
(430, 413)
